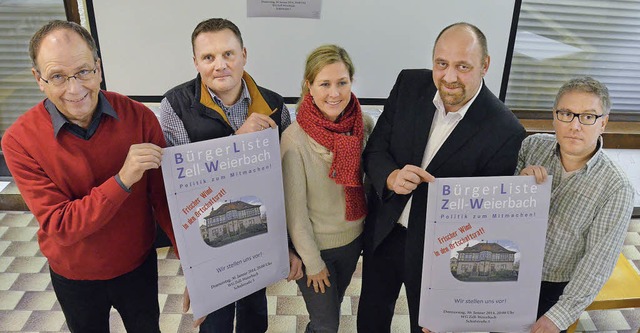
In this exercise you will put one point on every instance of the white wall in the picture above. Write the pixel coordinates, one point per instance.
(146, 45)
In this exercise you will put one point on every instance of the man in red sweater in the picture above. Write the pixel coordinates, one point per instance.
(87, 164)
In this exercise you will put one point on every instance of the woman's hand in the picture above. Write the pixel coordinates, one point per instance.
(295, 266)
(319, 280)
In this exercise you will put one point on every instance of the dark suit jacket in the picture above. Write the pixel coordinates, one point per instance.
(484, 143)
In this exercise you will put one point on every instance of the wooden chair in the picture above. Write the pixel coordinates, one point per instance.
(622, 290)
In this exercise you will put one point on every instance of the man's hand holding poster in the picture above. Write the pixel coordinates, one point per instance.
(484, 246)
(227, 208)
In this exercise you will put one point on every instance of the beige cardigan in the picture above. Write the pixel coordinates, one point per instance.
(315, 204)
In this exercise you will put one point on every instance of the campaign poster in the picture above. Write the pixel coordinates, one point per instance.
(484, 246)
(227, 208)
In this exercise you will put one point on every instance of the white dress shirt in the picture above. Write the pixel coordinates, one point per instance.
(443, 124)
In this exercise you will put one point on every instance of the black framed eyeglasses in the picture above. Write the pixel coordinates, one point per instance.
(584, 118)
(59, 79)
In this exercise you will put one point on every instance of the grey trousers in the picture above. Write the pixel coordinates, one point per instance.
(324, 309)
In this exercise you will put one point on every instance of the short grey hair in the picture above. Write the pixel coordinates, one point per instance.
(589, 85)
(44, 31)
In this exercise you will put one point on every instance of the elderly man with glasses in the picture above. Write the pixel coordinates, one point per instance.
(591, 203)
(87, 163)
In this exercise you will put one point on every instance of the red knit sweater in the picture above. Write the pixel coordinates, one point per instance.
(90, 228)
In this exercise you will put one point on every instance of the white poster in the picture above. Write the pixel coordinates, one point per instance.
(227, 208)
(484, 246)
(284, 8)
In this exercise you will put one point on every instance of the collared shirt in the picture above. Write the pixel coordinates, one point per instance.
(588, 220)
(236, 113)
(59, 121)
(443, 124)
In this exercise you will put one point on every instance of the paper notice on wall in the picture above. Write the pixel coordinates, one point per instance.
(284, 8)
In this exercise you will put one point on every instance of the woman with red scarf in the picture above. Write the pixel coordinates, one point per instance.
(324, 197)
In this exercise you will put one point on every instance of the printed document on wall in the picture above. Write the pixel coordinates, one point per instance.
(227, 208)
(483, 252)
(284, 8)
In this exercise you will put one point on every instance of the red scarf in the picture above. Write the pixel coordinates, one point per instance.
(344, 139)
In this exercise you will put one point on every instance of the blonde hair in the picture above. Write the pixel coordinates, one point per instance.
(318, 59)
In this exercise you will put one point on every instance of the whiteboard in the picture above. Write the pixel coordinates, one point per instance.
(145, 45)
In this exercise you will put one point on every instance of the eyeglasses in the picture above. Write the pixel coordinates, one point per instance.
(59, 79)
(584, 118)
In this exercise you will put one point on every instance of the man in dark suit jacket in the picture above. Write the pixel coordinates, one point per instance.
(440, 123)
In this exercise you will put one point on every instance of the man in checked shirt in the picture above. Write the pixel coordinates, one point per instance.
(591, 203)
(224, 100)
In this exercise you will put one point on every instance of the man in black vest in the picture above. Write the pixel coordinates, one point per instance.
(224, 100)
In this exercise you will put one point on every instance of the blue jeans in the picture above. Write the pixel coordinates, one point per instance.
(250, 313)
(86, 303)
(324, 309)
